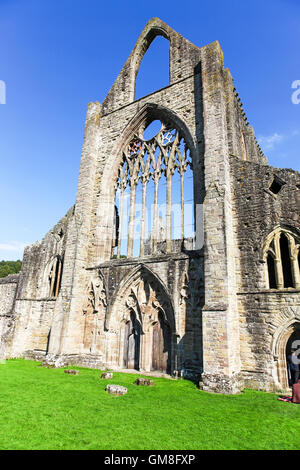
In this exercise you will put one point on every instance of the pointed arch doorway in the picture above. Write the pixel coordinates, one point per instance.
(142, 323)
(132, 341)
(287, 337)
(145, 338)
(293, 344)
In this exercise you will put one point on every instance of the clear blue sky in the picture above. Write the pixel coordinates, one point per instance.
(58, 55)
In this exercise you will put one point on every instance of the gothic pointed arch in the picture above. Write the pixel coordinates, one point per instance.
(122, 91)
(139, 166)
(148, 113)
(280, 254)
(138, 286)
(142, 321)
(155, 43)
(155, 27)
(281, 340)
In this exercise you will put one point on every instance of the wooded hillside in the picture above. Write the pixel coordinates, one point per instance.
(9, 267)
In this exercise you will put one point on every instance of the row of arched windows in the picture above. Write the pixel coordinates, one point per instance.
(281, 256)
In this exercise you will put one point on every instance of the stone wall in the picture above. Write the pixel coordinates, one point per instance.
(37, 259)
(8, 287)
(32, 313)
(262, 311)
(32, 325)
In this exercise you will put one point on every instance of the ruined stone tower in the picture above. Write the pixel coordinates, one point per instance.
(131, 278)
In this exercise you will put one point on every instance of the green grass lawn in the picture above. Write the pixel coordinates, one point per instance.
(48, 409)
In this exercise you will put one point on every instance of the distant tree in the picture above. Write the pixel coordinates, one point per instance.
(9, 267)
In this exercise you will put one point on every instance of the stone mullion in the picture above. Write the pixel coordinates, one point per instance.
(169, 213)
(183, 166)
(131, 218)
(143, 218)
(181, 170)
(156, 178)
(169, 174)
(145, 179)
(278, 263)
(182, 203)
(155, 213)
(294, 262)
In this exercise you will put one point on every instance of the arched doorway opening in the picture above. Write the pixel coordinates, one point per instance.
(141, 325)
(287, 336)
(161, 346)
(131, 350)
(293, 356)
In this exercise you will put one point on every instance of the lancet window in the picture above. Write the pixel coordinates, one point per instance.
(154, 195)
(55, 276)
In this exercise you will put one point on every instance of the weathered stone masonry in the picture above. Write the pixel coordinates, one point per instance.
(221, 306)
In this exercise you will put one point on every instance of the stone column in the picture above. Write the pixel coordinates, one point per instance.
(294, 262)
(67, 327)
(278, 262)
(221, 350)
(155, 213)
(131, 219)
(169, 212)
(143, 217)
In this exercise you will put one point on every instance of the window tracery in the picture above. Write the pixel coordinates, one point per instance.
(282, 258)
(154, 195)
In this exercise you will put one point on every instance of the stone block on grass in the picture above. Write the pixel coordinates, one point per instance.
(146, 382)
(107, 375)
(71, 371)
(116, 390)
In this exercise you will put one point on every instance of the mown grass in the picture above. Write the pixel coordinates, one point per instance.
(48, 409)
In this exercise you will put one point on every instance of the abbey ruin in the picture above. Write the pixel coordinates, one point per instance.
(181, 254)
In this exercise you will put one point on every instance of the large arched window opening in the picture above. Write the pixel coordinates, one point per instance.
(282, 258)
(153, 73)
(154, 200)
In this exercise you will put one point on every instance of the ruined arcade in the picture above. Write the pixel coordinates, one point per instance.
(181, 255)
